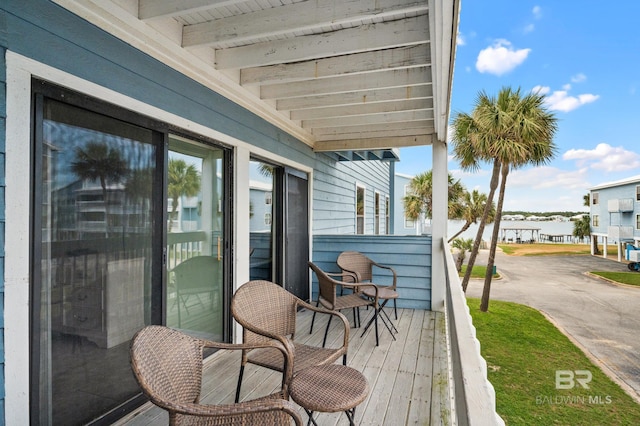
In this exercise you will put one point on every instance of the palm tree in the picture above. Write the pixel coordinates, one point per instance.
(98, 161)
(419, 201)
(183, 180)
(513, 130)
(473, 204)
(463, 245)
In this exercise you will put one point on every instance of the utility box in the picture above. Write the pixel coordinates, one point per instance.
(634, 255)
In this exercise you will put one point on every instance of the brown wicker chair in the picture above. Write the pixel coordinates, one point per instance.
(360, 265)
(168, 367)
(329, 298)
(267, 311)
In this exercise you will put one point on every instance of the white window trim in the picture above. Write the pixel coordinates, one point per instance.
(364, 209)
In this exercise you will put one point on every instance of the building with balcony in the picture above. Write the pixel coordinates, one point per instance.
(615, 214)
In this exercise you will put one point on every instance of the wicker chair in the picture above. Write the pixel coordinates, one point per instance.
(360, 265)
(329, 298)
(168, 367)
(267, 311)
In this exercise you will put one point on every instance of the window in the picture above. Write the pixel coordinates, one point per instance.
(376, 203)
(409, 224)
(594, 198)
(387, 216)
(360, 209)
(267, 219)
(638, 221)
(596, 220)
(268, 198)
(638, 193)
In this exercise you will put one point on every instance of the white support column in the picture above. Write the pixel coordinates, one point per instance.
(439, 224)
(604, 249)
(241, 224)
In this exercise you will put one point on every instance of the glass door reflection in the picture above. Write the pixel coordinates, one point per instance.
(195, 236)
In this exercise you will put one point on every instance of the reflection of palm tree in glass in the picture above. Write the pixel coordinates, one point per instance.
(99, 161)
(183, 180)
(138, 189)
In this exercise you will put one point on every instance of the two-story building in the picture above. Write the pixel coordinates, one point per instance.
(615, 214)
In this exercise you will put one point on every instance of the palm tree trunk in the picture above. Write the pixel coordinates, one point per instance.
(464, 228)
(484, 302)
(487, 208)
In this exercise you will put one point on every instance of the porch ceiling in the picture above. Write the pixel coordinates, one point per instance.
(356, 76)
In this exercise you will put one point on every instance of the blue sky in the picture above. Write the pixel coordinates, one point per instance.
(585, 56)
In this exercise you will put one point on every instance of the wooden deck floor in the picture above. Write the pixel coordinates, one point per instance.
(408, 377)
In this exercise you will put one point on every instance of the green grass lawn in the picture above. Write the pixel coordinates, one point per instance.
(478, 271)
(524, 351)
(631, 278)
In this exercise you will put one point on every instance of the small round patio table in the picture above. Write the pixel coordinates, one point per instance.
(329, 389)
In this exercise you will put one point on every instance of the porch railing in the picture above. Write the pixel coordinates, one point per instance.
(474, 396)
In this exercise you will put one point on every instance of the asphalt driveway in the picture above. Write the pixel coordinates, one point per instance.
(602, 318)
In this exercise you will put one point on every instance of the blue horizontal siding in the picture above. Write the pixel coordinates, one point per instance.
(410, 256)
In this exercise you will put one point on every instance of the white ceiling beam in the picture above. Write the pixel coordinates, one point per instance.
(382, 35)
(376, 134)
(377, 80)
(297, 17)
(151, 9)
(356, 98)
(402, 57)
(388, 117)
(362, 109)
(422, 126)
(373, 143)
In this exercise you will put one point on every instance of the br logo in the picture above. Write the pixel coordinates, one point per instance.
(566, 379)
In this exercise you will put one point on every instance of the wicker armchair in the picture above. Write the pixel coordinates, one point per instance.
(329, 298)
(168, 367)
(360, 265)
(267, 311)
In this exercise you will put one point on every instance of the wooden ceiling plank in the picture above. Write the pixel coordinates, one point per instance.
(296, 17)
(424, 126)
(369, 108)
(388, 117)
(373, 143)
(379, 134)
(153, 9)
(382, 35)
(378, 80)
(356, 98)
(402, 57)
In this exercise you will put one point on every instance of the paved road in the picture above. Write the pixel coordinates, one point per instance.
(601, 317)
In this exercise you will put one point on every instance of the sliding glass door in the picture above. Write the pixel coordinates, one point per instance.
(196, 238)
(130, 228)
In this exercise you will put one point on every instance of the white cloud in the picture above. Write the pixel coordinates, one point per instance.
(528, 28)
(460, 39)
(566, 87)
(547, 177)
(542, 90)
(604, 157)
(537, 12)
(579, 78)
(500, 58)
(560, 100)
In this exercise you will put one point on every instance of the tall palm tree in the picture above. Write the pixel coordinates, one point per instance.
(513, 130)
(98, 161)
(419, 201)
(183, 180)
(473, 204)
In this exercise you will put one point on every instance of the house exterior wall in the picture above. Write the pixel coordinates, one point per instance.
(409, 256)
(616, 212)
(46, 41)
